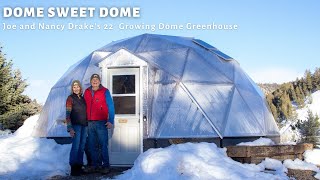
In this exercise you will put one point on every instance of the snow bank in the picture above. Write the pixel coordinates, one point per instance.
(28, 126)
(193, 161)
(274, 164)
(312, 156)
(258, 142)
(299, 164)
(26, 157)
(302, 165)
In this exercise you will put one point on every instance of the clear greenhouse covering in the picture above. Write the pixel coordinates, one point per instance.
(190, 89)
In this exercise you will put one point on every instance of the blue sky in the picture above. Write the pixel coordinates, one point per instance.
(276, 41)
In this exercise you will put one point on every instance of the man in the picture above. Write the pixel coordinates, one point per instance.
(100, 116)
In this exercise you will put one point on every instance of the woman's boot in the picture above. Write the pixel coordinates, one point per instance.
(75, 170)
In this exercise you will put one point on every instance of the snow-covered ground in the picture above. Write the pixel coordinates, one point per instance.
(196, 161)
(314, 106)
(26, 157)
(207, 161)
(289, 135)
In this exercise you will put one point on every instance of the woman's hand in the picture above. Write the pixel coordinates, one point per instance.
(72, 133)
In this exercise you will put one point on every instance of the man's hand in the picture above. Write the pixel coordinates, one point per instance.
(72, 133)
(109, 125)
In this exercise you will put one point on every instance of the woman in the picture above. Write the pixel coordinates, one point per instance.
(77, 127)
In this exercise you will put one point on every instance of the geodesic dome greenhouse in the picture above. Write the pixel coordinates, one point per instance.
(189, 89)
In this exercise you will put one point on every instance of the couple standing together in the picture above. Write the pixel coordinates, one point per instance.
(89, 116)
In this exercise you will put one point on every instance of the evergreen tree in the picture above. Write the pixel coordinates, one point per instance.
(14, 106)
(296, 91)
(272, 106)
(292, 93)
(316, 79)
(307, 76)
(303, 95)
(310, 128)
(286, 107)
(304, 89)
(300, 98)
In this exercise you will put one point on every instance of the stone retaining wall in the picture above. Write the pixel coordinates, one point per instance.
(255, 154)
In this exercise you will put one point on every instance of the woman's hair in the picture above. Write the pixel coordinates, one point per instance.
(76, 82)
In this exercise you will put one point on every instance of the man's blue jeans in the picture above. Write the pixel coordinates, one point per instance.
(78, 144)
(98, 132)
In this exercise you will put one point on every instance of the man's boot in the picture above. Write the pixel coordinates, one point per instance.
(81, 172)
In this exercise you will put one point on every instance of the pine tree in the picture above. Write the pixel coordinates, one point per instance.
(303, 94)
(310, 128)
(14, 106)
(298, 95)
(292, 94)
(273, 108)
(304, 88)
(286, 108)
(5, 77)
(316, 79)
(297, 91)
(307, 76)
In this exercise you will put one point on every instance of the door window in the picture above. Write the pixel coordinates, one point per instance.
(123, 84)
(124, 97)
(125, 104)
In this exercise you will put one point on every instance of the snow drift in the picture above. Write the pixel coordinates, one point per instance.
(23, 156)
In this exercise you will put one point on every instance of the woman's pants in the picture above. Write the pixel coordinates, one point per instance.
(78, 145)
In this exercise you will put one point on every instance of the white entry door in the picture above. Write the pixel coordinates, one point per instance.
(124, 138)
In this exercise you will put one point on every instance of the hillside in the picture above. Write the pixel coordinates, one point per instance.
(289, 131)
(268, 88)
(296, 92)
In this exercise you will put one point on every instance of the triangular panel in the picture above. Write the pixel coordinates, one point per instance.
(225, 67)
(93, 67)
(50, 123)
(213, 99)
(243, 81)
(156, 43)
(163, 92)
(241, 122)
(171, 61)
(251, 94)
(270, 124)
(130, 44)
(255, 104)
(199, 70)
(183, 119)
(76, 73)
(98, 56)
(122, 58)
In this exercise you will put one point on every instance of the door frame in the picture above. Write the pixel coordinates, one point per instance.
(104, 82)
